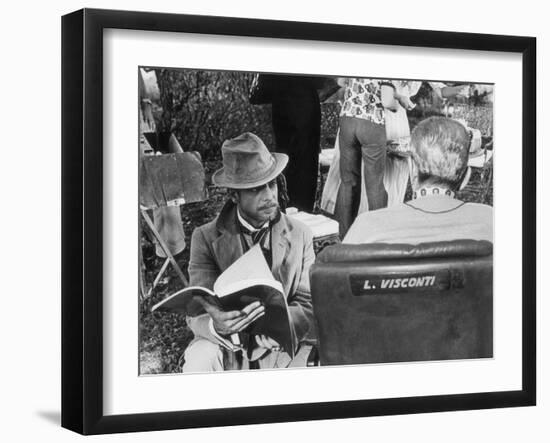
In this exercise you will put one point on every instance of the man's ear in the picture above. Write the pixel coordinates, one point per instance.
(466, 179)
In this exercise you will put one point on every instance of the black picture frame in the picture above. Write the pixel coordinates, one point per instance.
(82, 220)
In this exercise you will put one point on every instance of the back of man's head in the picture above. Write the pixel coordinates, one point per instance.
(440, 150)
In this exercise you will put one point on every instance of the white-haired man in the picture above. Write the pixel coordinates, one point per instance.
(440, 155)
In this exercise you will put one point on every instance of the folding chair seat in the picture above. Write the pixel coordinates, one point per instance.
(395, 303)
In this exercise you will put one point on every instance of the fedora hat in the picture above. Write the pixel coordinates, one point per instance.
(247, 163)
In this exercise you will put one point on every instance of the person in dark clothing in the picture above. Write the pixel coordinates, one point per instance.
(296, 116)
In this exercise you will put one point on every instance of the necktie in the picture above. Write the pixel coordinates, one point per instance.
(257, 236)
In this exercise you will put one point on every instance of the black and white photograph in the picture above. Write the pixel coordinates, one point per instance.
(291, 221)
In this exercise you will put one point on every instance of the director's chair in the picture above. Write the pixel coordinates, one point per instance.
(382, 303)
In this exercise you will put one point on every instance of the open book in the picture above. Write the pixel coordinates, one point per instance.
(247, 280)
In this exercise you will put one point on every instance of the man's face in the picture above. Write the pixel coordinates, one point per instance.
(258, 205)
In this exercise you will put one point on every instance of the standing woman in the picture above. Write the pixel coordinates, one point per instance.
(397, 129)
(362, 139)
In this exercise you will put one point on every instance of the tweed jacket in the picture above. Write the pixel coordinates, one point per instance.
(216, 245)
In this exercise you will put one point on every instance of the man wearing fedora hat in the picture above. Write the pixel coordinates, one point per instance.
(250, 216)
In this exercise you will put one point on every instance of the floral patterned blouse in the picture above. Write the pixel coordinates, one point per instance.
(362, 99)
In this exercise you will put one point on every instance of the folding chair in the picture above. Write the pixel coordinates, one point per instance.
(168, 180)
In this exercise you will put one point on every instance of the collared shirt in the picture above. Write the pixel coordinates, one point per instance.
(426, 219)
(362, 99)
(251, 235)
(247, 225)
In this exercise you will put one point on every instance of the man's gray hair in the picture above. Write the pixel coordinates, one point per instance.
(440, 150)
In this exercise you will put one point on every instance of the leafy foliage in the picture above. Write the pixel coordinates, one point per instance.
(204, 108)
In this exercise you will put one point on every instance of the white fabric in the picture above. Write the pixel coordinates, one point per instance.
(332, 183)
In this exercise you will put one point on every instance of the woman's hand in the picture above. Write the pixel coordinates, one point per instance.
(406, 102)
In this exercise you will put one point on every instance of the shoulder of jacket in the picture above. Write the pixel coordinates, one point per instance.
(206, 229)
(297, 226)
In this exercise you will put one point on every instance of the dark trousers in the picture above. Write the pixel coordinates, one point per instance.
(297, 128)
(360, 141)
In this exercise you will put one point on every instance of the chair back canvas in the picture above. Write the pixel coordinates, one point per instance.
(396, 303)
(170, 180)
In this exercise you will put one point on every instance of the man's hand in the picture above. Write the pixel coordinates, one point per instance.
(231, 322)
(267, 343)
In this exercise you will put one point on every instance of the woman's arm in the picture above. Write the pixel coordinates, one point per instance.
(388, 97)
(405, 101)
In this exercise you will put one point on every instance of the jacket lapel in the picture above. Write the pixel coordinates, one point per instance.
(280, 242)
(227, 247)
